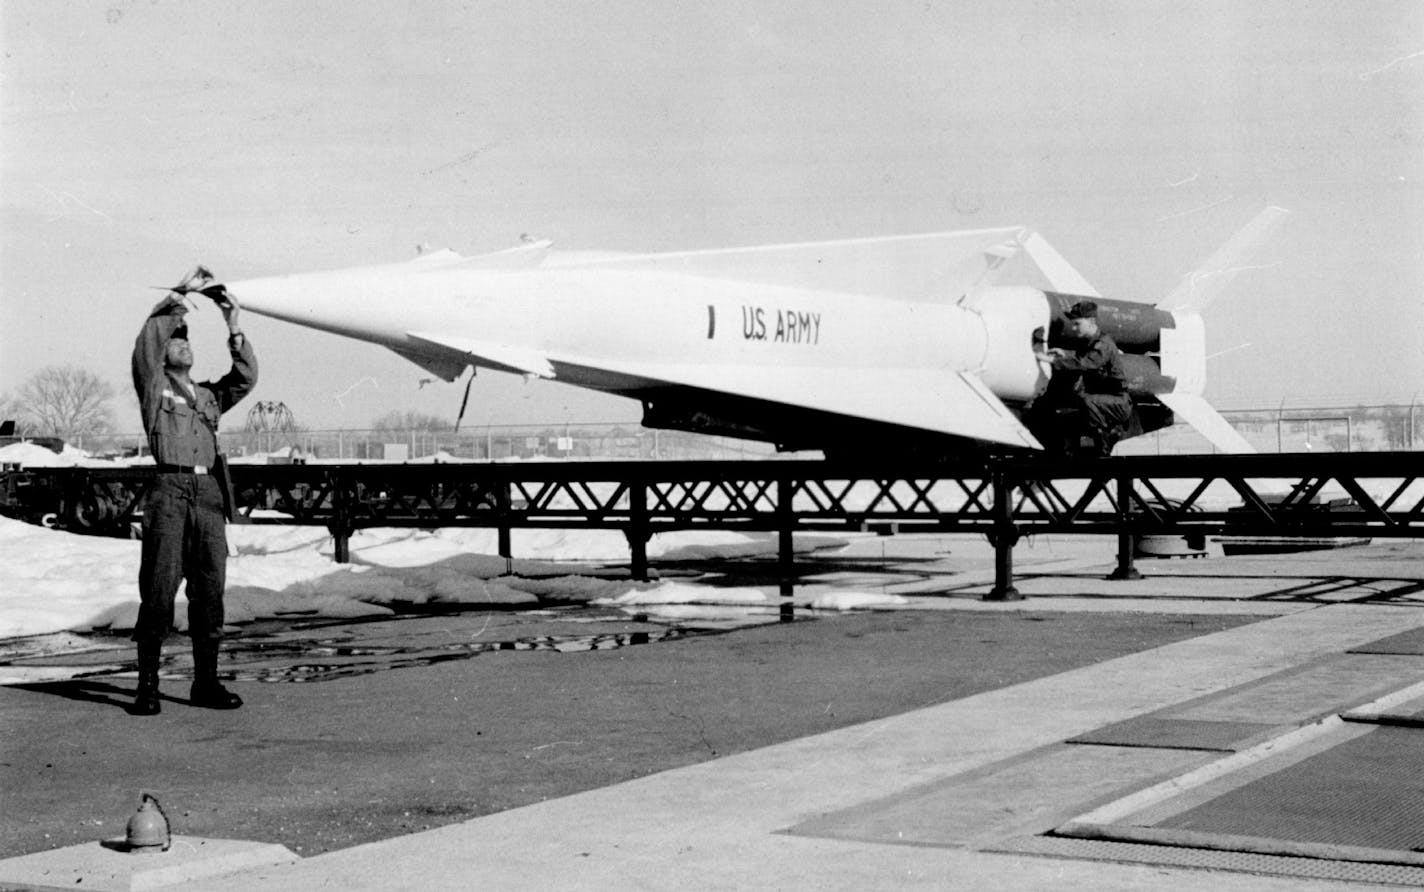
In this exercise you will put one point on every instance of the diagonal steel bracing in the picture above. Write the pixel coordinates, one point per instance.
(1286, 495)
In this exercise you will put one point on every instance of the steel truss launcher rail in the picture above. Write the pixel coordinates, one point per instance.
(1294, 495)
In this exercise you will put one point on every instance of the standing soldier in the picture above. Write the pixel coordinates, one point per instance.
(183, 514)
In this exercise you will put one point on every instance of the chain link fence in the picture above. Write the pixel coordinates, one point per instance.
(1358, 429)
(529, 442)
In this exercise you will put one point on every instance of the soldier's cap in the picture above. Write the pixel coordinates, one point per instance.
(1083, 309)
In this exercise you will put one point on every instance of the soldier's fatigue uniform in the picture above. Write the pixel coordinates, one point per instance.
(1095, 386)
(183, 522)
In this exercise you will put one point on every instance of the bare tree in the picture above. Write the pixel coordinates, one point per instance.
(66, 401)
(405, 422)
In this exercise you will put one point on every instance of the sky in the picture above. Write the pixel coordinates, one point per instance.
(138, 139)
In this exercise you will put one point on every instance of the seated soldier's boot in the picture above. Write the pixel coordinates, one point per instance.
(207, 691)
(146, 696)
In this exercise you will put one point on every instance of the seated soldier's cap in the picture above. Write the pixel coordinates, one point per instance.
(1083, 309)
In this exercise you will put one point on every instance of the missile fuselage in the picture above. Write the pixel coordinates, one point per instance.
(796, 344)
(646, 316)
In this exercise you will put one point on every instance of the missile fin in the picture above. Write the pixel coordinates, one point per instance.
(523, 256)
(1209, 422)
(1200, 287)
(1059, 272)
(491, 355)
(442, 366)
(933, 266)
(947, 402)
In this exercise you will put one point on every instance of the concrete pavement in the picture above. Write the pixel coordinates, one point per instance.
(959, 795)
(733, 822)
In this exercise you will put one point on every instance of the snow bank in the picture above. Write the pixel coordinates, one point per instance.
(677, 593)
(856, 601)
(684, 593)
(54, 581)
(29, 455)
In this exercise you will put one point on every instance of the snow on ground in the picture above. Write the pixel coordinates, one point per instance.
(52, 581)
(29, 455)
(855, 601)
(684, 593)
(672, 593)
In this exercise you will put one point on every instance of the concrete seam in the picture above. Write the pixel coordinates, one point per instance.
(1116, 811)
(1226, 842)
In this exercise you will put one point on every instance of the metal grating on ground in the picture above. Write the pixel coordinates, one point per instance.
(1368, 791)
(1349, 806)
(1181, 734)
(1240, 862)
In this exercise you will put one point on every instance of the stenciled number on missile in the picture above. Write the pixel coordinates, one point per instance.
(785, 327)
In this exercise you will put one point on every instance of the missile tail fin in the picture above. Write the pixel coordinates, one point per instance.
(1059, 272)
(1183, 348)
(1199, 414)
(1202, 286)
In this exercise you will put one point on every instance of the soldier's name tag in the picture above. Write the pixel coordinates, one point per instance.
(170, 394)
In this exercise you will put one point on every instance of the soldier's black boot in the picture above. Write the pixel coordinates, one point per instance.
(146, 697)
(207, 691)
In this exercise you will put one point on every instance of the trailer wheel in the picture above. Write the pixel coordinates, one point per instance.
(92, 511)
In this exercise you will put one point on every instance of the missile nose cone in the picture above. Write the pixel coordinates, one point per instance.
(257, 295)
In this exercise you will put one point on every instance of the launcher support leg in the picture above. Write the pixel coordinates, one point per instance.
(786, 563)
(1003, 589)
(1126, 549)
(637, 532)
(341, 539)
(638, 553)
(1003, 538)
(786, 547)
(1126, 541)
(506, 549)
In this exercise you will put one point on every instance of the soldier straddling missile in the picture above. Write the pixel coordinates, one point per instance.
(1087, 397)
(183, 513)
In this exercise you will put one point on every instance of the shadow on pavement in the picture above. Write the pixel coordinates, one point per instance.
(85, 691)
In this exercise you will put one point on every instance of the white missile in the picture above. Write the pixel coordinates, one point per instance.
(826, 345)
